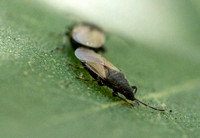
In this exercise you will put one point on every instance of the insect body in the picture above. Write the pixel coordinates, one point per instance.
(87, 35)
(107, 74)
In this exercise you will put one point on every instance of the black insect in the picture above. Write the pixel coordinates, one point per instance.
(107, 74)
(87, 35)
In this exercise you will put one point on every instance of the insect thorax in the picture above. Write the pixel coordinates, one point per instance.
(117, 81)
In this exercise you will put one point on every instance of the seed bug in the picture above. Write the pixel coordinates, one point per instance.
(107, 74)
(87, 35)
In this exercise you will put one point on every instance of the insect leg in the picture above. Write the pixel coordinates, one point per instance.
(64, 38)
(69, 29)
(99, 81)
(115, 94)
(67, 33)
(62, 48)
(134, 88)
(58, 36)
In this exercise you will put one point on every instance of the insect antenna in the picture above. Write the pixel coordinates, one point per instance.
(149, 106)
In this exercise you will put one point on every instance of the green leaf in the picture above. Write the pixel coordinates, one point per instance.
(41, 97)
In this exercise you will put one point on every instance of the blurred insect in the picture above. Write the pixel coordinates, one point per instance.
(107, 74)
(87, 35)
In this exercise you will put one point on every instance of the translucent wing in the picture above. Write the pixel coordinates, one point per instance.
(110, 65)
(92, 60)
(88, 36)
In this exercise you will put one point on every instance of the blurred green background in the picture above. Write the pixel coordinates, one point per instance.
(155, 44)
